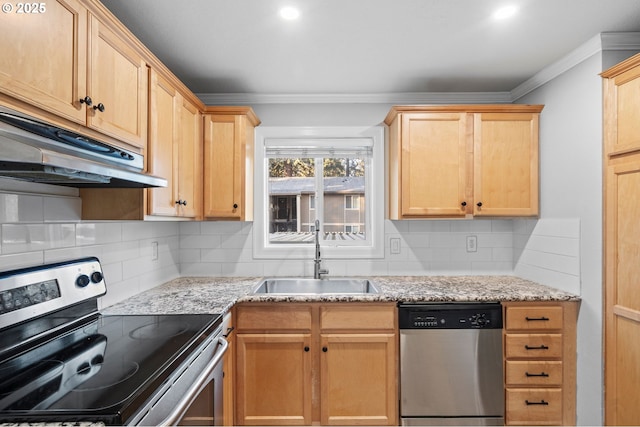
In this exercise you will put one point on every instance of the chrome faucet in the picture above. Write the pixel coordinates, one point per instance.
(317, 271)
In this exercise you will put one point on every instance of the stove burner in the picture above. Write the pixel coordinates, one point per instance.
(155, 330)
(127, 372)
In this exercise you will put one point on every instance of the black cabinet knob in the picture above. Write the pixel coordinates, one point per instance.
(479, 204)
(235, 206)
(99, 107)
(184, 203)
(325, 349)
(86, 100)
(306, 348)
(463, 204)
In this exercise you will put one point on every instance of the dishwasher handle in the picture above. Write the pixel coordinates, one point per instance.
(191, 394)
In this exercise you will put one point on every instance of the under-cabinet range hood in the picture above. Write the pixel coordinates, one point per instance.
(31, 150)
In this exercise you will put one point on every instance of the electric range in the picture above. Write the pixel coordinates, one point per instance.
(61, 360)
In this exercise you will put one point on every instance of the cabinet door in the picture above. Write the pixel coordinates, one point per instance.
(624, 94)
(118, 80)
(189, 149)
(622, 321)
(223, 167)
(44, 57)
(162, 160)
(358, 379)
(273, 383)
(434, 164)
(506, 164)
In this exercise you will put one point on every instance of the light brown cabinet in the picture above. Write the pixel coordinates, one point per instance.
(175, 152)
(228, 162)
(540, 363)
(333, 364)
(621, 247)
(463, 160)
(90, 75)
(54, 81)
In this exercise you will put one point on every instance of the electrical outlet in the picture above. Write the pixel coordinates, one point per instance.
(395, 245)
(154, 251)
(472, 243)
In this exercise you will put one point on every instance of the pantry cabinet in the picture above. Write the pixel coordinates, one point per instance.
(298, 364)
(621, 242)
(76, 68)
(463, 160)
(228, 162)
(540, 363)
(175, 152)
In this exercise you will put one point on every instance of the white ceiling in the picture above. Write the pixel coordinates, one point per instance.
(357, 47)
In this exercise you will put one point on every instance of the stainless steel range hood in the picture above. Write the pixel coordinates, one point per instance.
(34, 151)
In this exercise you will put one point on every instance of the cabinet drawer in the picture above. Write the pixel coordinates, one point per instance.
(526, 406)
(534, 318)
(279, 317)
(533, 346)
(533, 373)
(357, 317)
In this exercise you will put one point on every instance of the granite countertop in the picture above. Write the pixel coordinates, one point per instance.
(211, 295)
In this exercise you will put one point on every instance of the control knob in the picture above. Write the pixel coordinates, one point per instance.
(96, 277)
(82, 280)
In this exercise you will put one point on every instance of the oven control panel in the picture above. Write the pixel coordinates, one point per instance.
(450, 316)
(30, 292)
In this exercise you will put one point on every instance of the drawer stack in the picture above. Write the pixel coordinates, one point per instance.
(539, 363)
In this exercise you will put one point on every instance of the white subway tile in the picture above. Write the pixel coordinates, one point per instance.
(200, 269)
(98, 233)
(58, 209)
(36, 237)
(20, 208)
(28, 259)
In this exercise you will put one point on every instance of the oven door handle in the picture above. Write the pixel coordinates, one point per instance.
(191, 394)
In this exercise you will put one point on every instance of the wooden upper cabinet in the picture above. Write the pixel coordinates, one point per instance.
(175, 151)
(76, 70)
(163, 125)
(190, 161)
(622, 107)
(228, 162)
(44, 58)
(505, 164)
(118, 87)
(455, 161)
(428, 152)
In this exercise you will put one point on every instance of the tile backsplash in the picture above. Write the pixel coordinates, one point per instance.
(139, 255)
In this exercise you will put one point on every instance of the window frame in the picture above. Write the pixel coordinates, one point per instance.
(374, 190)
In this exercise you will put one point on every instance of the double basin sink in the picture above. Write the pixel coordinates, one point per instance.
(307, 286)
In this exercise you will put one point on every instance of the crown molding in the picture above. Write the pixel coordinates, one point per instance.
(362, 98)
(598, 43)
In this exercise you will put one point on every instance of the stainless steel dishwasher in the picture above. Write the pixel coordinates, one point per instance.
(451, 364)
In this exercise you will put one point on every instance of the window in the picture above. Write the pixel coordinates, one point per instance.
(324, 174)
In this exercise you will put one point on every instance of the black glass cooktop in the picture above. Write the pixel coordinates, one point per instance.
(103, 370)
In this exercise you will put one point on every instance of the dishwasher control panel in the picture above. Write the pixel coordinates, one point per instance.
(450, 316)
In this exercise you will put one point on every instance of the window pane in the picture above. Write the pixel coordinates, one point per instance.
(291, 200)
(344, 192)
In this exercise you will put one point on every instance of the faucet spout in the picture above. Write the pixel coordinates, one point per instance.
(317, 262)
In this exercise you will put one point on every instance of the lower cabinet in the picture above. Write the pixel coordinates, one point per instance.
(326, 363)
(540, 363)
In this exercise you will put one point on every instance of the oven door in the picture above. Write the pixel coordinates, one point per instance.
(196, 388)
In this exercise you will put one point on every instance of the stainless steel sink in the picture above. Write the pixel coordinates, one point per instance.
(301, 285)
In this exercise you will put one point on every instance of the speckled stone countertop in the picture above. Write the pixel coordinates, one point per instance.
(209, 295)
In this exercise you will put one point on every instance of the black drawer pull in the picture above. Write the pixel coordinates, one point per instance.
(534, 319)
(540, 347)
(229, 330)
(542, 402)
(541, 374)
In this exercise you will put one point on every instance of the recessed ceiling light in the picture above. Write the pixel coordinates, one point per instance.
(505, 12)
(289, 13)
